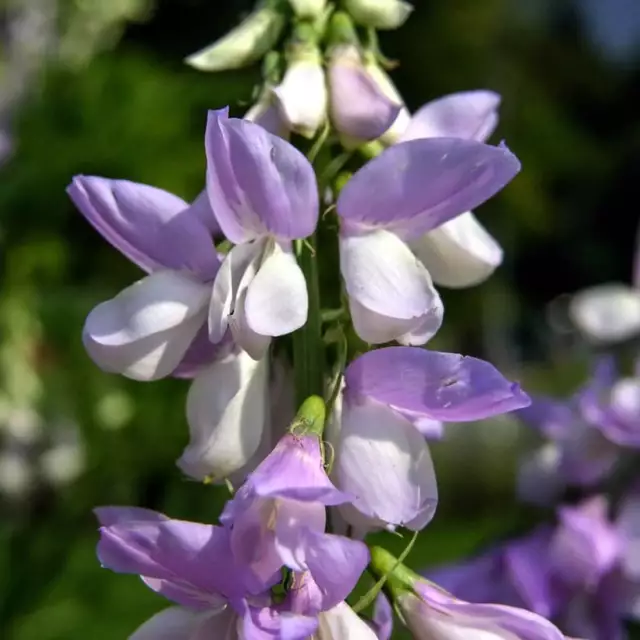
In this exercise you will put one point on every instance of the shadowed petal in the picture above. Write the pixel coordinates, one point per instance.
(416, 186)
(384, 461)
(472, 115)
(382, 618)
(442, 386)
(459, 253)
(178, 623)
(258, 183)
(144, 332)
(226, 412)
(152, 227)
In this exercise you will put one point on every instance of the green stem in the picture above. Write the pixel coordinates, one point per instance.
(308, 348)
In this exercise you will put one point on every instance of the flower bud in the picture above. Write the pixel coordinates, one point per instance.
(266, 113)
(244, 44)
(379, 14)
(310, 9)
(302, 96)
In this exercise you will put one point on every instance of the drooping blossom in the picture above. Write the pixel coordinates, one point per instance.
(431, 612)
(359, 109)
(581, 573)
(379, 14)
(246, 43)
(155, 327)
(391, 399)
(264, 194)
(407, 191)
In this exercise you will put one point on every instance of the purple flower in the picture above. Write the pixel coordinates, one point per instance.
(582, 573)
(390, 394)
(359, 109)
(264, 194)
(149, 330)
(410, 189)
(278, 518)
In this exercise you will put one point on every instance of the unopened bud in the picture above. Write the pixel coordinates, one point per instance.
(310, 9)
(379, 14)
(244, 44)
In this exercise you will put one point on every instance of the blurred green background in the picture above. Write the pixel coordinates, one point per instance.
(99, 87)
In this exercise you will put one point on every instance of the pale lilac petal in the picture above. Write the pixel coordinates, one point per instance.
(227, 413)
(607, 313)
(152, 227)
(382, 621)
(416, 186)
(586, 544)
(402, 490)
(194, 556)
(201, 209)
(277, 301)
(266, 114)
(145, 331)
(201, 353)
(341, 622)
(294, 469)
(619, 420)
(297, 627)
(258, 183)
(336, 564)
(552, 418)
(471, 115)
(108, 516)
(441, 386)
(384, 278)
(178, 623)
(359, 107)
(429, 325)
(459, 253)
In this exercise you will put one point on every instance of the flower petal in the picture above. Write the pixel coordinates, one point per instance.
(114, 515)
(359, 107)
(382, 276)
(178, 623)
(277, 302)
(471, 115)
(441, 386)
(153, 228)
(201, 208)
(460, 253)
(258, 183)
(336, 564)
(342, 621)
(384, 461)
(226, 412)
(294, 470)
(382, 618)
(144, 331)
(416, 186)
(607, 313)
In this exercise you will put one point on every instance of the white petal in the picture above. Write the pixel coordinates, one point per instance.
(178, 623)
(145, 330)
(607, 313)
(390, 291)
(277, 302)
(402, 490)
(342, 622)
(460, 253)
(226, 285)
(227, 413)
(302, 97)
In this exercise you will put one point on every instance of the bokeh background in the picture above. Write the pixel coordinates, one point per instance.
(99, 87)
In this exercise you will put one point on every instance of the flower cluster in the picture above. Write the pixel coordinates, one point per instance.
(232, 274)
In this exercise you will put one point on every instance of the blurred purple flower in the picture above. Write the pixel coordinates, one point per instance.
(381, 455)
(264, 194)
(410, 189)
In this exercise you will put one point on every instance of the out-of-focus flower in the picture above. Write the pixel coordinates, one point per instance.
(410, 189)
(309, 8)
(244, 44)
(360, 110)
(381, 454)
(302, 96)
(379, 14)
(582, 573)
(265, 195)
(148, 330)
